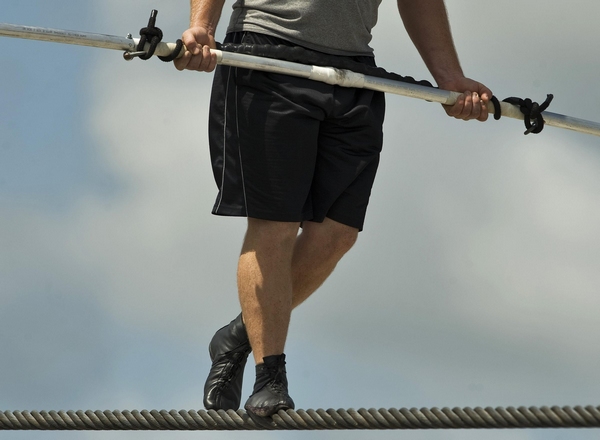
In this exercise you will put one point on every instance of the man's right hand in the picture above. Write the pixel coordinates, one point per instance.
(197, 55)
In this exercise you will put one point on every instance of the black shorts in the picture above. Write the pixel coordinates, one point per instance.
(292, 149)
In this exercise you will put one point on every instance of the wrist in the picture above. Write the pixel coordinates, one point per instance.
(205, 14)
(206, 27)
(445, 77)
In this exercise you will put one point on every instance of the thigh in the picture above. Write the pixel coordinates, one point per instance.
(263, 132)
(350, 143)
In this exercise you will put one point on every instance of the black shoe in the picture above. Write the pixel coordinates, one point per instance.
(229, 350)
(271, 388)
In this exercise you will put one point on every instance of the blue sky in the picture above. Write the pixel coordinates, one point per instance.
(473, 284)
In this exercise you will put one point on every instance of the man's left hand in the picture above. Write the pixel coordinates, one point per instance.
(472, 103)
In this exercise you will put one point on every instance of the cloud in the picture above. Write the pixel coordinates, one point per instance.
(474, 281)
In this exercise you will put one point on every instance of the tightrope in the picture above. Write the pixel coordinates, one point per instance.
(320, 419)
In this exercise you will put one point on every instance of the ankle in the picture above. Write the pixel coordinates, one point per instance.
(271, 369)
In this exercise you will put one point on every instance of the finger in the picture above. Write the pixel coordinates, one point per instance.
(213, 60)
(455, 109)
(476, 106)
(485, 93)
(198, 62)
(483, 112)
(467, 109)
(189, 40)
(484, 98)
(207, 64)
(182, 62)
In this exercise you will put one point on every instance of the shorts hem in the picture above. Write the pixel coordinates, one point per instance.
(229, 211)
(353, 223)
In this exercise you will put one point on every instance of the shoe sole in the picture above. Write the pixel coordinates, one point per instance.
(256, 412)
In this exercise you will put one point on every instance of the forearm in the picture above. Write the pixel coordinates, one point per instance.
(206, 14)
(426, 22)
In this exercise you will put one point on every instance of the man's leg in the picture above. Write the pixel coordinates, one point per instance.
(316, 252)
(318, 249)
(265, 291)
(265, 284)
(275, 262)
(279, 269)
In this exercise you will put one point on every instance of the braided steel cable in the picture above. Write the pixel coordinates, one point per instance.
(320, 419)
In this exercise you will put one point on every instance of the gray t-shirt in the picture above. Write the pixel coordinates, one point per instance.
(339, 27)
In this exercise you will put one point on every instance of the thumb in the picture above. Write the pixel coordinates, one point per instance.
(190, 42)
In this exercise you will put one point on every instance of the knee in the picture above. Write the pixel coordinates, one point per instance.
(342, 241)
(334, 237)
(272, 233)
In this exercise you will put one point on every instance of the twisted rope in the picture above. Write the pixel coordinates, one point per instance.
(434, 418)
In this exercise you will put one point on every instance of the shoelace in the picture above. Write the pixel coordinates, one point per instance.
(278, 387)
(231, 368)
(278, 373)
